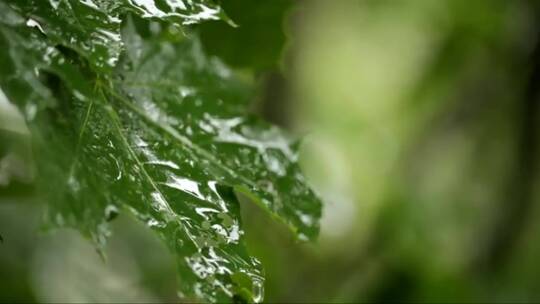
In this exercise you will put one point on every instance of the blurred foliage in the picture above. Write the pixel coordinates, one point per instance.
(422, 123)
(257, 40)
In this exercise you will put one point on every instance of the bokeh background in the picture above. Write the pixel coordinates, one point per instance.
(421, 127)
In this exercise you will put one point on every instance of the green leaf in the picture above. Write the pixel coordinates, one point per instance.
(258, 39)
(92, 27)
(162, 135)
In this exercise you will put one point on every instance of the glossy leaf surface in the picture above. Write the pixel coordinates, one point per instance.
(92, 27)
(150, 125)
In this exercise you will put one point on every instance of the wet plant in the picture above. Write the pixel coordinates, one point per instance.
(128, 114)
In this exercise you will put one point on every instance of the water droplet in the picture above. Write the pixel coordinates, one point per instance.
(155, 223)
(203, 210)
(165, 163)
(90, 4)
(111, 212)
(33, 23)
(305, 218)
(258, 290)
(185, 185)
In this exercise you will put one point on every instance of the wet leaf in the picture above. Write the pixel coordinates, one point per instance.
(92, 27)
(161, 134)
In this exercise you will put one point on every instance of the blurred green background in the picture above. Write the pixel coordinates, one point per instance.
(421, 125)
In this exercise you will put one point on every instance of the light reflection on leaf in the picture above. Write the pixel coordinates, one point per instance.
(159, 131)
